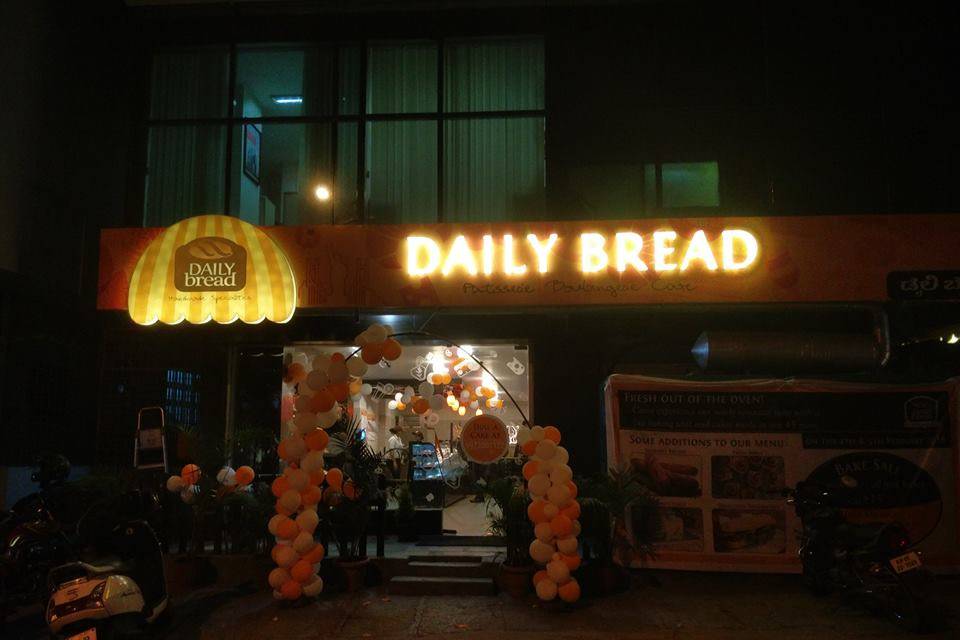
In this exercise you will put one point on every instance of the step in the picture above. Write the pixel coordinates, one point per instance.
(443, 558)
(453, 569)
(436, 586)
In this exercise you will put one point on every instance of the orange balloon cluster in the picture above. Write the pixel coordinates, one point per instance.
(554, 512)
(186, 484)
(376, 344)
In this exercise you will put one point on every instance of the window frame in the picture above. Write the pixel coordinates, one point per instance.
(234, 122)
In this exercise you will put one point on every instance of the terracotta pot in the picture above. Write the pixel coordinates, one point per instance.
(517, 581)
(354, 573)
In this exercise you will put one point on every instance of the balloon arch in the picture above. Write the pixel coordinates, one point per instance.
(319, 402)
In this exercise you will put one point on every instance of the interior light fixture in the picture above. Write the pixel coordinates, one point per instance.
(953, 339)
(322, 192)
(287, 99)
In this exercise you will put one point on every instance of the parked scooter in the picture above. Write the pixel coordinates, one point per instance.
(117, 589)
(32, 539)
(874, 563)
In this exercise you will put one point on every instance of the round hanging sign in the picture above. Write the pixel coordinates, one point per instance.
(484, 439)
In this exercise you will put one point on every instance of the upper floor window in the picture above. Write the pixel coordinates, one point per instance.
(380, 132)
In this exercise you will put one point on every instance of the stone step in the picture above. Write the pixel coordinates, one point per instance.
(440, 586)
(442, 558)
(453, 569)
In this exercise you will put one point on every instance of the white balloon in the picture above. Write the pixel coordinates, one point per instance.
(278, 577)
(308, 521)
(538, 484)
(304, 542)
(290, 500)
(357, 367)
(298, 479)
(175, 484)
(547, 590)
(536, 433)
(562, 456)
(294, 446)
(227, 477)
(406, 398)
(558, 495)
(187, 495)
(561, 474)
(366, 389)
(567, 546)
(425, 389)
(541, 552)
(437, 402)
(301, 357)
(321, 362)
(546, 449)
(543, 532)
(388, 388)
(317, 379)
(432, 419)
(558, 571)
(327, 419)
(523, 435)
(376, 333)
(314, 587)
(311, 462)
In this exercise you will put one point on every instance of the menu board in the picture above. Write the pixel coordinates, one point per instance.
(719, 455)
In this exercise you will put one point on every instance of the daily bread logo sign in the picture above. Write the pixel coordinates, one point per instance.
(212, 268)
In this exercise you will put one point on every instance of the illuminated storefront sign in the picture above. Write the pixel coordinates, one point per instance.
(211, 268)
(662, 251)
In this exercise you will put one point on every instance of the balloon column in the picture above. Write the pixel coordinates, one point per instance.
(320, 398)
(554, 512)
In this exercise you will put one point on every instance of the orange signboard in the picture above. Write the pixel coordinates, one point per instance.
(484, 439)
(612, 262)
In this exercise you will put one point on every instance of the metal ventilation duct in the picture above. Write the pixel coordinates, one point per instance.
(791, 353)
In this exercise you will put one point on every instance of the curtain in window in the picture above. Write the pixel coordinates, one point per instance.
(499, 74)
(402, 77)
(185, 173)
(189, 84)
(493, 169)
(401, 158)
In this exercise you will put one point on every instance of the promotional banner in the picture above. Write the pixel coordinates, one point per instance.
(719, 455)
(604, 262)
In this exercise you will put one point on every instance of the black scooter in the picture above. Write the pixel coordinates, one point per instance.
(872, 563)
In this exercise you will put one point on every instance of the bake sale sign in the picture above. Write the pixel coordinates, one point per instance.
(719, 454)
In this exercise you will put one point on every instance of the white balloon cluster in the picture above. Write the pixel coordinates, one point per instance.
(554, 512)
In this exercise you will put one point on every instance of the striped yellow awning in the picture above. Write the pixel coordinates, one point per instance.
(212, 268)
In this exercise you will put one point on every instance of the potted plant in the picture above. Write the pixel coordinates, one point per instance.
(507, 503)
(406, 526)
(345, 514)
(606, 502)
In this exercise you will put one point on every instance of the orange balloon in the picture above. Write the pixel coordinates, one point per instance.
(350, 490)
(569, 592)
(529, 447)
(244, 475)
(273, 553)
(447, 378)
(282, 451)
(311, 495)
(296, 372)
(340, 391)
(573, 489)
(391, 349)
(315, 555)
(322, 401)
(291, 590)
(287, 529)
(529, 469)
(335, 479)
(316, 477)
(421, 405)
(561, 525)
(572, 510)
(539, 575)
(302, 571)
(317, 440)
(279, 486)
(372, 352)
(337, 357)
(552, 433)
(190, 474)
(535, 511)
(281, 510)
(572, 561)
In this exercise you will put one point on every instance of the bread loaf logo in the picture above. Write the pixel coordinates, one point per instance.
(210, 264)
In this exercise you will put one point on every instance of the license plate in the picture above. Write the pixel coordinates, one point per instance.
(89, 634)
(906, 562)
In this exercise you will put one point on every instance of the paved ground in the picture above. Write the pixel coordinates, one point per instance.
(664, 606)
(682, 605)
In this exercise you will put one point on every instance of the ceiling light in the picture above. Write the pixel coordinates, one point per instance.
(287, 99)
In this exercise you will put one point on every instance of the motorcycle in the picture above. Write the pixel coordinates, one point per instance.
(874, 562)
(116, 589)
(33, 539)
